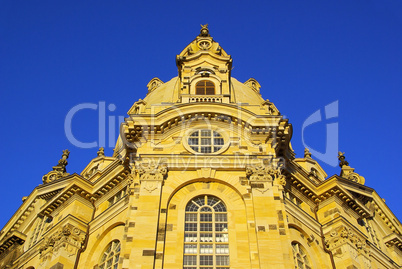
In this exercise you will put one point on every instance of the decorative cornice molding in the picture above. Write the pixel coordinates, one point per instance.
(15, 237)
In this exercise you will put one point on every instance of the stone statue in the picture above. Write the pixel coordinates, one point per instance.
(342, 160)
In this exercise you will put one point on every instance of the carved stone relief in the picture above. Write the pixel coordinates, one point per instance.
(68, 238)
(341, 237)
(151, 175)
(262, 176)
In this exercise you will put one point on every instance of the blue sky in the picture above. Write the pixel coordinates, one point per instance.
(306, 54)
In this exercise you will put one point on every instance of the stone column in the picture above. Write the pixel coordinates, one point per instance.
(266, 182)
(141, 237)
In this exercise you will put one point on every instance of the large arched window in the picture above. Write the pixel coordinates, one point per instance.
(110, 257)
(205, 87)
(206, 243)
(300, 257)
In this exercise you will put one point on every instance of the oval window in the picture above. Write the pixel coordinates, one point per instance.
(205, 141)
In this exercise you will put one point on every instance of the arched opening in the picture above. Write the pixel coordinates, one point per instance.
(300, 256)
(110, 257)
(206, 243)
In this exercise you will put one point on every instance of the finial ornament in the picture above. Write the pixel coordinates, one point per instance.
(101, 152)
(347, 171)
(63, 161)
(307, 153)
(59, 170)
(342, 160)
(204, 30)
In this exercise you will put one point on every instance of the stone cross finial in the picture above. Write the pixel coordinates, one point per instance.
(342, 159)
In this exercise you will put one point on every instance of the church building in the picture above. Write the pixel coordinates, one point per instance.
(203, 176)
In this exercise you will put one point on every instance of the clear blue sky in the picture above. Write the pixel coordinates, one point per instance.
(306, 54)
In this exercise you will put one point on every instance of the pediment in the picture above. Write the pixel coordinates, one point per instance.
(96, 167)
(313, 169)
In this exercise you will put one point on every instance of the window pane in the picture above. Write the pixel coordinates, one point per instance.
(193, 141)
(192, 207)
(299, 256)
(199, 201)
(206, 260)
(221, 227)
(190, 237)
(222, 260)
(222, 249)
(204, 226)
(212, 201)
(209, 91)
(220, 208)
(191, 217)
(205, 141)
(206, 217)
(191, 227)
(221, 218)
(206, 249)
(190, 260)
(206, 209)
(206, 237)
(221, 237)
(190, 249)
(206, 149)
(110, 257)
(103, 257)
(200, 90)
(218, 141)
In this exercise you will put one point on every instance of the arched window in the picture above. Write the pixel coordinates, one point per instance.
(206, 243)
(300, 257)
(110, 257)
(205, 87)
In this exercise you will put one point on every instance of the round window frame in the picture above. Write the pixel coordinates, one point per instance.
(225, 146)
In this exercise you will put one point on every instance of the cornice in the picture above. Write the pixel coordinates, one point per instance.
(301, 216)
(386, 215)
(14, 237)
(326, 189)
